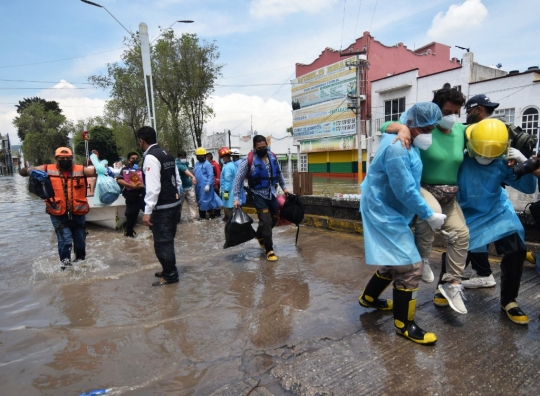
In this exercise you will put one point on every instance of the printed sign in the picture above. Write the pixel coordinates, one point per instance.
(331, 144)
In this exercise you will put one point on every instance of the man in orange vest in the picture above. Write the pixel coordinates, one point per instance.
(69, 205)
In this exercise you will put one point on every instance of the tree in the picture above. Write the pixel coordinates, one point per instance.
(290, 130)
(102, 140)
(44, 132)
(48, 105)
(184, 72)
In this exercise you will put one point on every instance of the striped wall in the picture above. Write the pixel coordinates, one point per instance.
(342, 163)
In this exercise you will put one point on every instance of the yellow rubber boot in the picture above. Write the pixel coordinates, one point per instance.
(370, 296)
(404, 311)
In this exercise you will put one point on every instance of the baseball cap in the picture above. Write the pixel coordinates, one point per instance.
(63, 151)
(480, 100)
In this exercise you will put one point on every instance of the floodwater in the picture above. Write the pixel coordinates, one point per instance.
(102, 324)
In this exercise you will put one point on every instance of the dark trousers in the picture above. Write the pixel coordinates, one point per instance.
(479, 263)
(164, 224)
(514, 251)
(70, 232)
(267, 210)
(133, 206)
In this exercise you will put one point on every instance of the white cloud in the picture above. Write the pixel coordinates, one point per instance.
(460, 20)
(234, 112)
(276, 8)
(7, 114)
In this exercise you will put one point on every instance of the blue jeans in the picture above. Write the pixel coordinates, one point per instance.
(70, 232)
(267, 210)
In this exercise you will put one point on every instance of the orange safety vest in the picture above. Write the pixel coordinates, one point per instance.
(76, 190)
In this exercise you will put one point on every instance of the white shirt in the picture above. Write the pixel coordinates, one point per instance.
(152, 177)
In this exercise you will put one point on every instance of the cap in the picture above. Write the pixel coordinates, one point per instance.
(63, 151)
(480, 100)
(235, 152)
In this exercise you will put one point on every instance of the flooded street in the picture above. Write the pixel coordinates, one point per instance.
(235, 319)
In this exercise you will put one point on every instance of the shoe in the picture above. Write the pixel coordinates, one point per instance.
(261, 242)
(439, 300)
(164, 281)
(271, 256)
(159, 274)
(530, 257)
(515, 313)
(476, 282)
(454, 295)
(370, 296)
(427, 273)
(65, 263)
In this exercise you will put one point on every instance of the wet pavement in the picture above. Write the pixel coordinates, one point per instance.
(234, 320)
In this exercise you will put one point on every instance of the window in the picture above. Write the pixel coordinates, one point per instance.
(529, 121)
(508, 114)
(303, 163)
(393, 109)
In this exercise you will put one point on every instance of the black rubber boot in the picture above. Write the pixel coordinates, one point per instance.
(404, 311)
(370, 296)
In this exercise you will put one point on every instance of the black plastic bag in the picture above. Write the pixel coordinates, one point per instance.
(293, 211)
(238, 229)
(534, 208)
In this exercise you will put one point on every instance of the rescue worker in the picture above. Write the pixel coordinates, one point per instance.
(188, 181)
(390, 199)
(162, 202)
(204, 190)
(228, 174)
(262, 169)
(70, 203)
(489, 213)
(133, 191)
(235, 155)
(217, 177)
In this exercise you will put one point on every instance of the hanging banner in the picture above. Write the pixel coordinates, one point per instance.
(325, 84)
(327, 119)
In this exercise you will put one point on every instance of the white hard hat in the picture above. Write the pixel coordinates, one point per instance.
(235, 152)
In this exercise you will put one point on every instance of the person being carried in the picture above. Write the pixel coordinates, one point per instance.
(389, 201)
(70, 205)
(262, 169)
(131, 181)
(162, 202)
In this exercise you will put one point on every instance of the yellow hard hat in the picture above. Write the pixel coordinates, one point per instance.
(488, 138)
(200, 151)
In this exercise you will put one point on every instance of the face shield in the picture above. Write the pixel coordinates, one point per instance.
(488, 149)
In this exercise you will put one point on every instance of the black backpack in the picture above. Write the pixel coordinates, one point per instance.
(293, 211)
(42, 188)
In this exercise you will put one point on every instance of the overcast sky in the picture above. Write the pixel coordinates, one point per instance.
(51, 47)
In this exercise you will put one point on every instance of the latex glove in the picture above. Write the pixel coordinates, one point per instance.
(226, 195)
(436, 220)
(207, 188)
(449, 237)
(515, 154)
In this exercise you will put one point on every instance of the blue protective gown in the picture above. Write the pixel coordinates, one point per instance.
(204, 173)
(390, 199)
(488, 212)
(228, 173)
(243, 191)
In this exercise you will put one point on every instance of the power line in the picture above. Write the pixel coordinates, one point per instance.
(44, 81)
(357, 18)
(60, 60)
(373, 16)
(343, 24)
(252, 74)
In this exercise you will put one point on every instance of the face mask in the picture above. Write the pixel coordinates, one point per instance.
(261, 152)
(448, 121)
(201, 159)
(183, 160)
(422, 141)
(483, 161)
(134, 162)
(65, 163)
(471, 118)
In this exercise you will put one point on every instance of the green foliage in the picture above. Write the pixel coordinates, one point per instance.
(26, 102)
(290, 130)
(44, 132)
(101, 139)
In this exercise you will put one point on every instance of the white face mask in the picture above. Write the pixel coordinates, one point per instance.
(422, 141)
(447, 122)
(183, 160)
(483, 161)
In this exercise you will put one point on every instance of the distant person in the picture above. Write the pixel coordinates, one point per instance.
(162, 202)
(389, 201)
(228, 174)
(132, 183)
(70, 204)
(262, 169)
(207, 198)
(235, 156)
(188, 181)
(217, 177)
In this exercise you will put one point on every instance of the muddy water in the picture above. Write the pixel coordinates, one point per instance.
(102, 324)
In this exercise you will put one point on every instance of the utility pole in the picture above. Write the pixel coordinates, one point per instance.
(356, 106)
